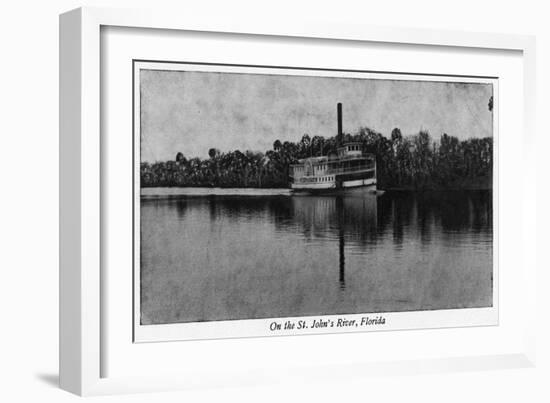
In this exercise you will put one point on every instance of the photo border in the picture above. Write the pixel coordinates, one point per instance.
(243, 328)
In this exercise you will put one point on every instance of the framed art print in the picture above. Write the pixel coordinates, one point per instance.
(245, 201)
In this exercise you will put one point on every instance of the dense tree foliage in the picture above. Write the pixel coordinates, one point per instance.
(411, 162)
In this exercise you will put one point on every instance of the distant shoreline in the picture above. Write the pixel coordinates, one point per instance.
(162, 192)
(153, 192)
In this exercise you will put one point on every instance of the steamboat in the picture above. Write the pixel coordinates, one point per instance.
(347, 169)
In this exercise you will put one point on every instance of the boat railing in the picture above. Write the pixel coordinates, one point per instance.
(307, 179)
(356, 157)
(315, 178)
(332, 171)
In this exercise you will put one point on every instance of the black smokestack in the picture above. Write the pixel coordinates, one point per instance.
(339, 108)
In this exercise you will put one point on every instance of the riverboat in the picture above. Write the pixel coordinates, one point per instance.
(346, 169)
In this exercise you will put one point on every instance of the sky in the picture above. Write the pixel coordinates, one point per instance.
(191, 112)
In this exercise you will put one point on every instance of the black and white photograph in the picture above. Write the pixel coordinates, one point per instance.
(334, 198)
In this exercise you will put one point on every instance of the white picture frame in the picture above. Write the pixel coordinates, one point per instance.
(82, 307)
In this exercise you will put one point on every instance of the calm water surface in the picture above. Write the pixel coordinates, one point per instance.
(207, 256)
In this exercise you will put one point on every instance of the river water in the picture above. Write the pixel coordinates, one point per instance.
(210, 255)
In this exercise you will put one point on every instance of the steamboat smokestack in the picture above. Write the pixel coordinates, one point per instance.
(339, 108)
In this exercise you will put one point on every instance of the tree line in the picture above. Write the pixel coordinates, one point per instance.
(408, 162)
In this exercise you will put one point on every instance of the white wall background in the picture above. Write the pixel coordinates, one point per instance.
(29, 197)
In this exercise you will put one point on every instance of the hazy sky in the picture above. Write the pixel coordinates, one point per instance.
(192, 112)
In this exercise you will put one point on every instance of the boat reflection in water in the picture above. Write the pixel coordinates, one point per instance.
(334, 217)
(221, 258)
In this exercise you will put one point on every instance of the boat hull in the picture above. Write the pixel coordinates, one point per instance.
(351, 186)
